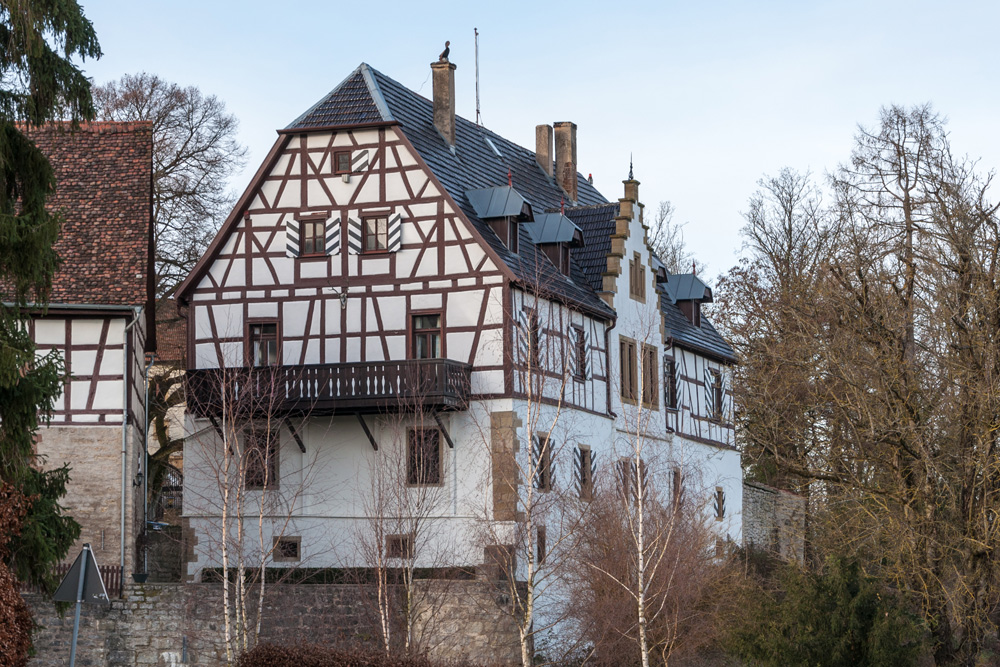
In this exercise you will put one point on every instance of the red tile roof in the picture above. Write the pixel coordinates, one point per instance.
(104, 190)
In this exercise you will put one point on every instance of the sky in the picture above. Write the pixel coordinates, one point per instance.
(705, 98)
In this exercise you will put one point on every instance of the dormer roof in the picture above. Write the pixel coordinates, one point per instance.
(688, 287)
(499, 202)
(554, 228)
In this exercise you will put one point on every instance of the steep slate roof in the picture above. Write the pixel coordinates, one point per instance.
(104, 191)
(598, 224)
(472, 164)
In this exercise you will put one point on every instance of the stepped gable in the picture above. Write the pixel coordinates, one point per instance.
(104, 191)
(471, 164)
(598, 224)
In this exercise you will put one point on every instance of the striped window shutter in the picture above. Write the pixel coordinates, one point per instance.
(355, 240)
(678, 385)
(292, 238)
(727, 400)
(359, 160)
(523, 334)
(333, 236)
(395, 232)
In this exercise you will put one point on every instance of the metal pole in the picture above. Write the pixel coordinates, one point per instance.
(79, 603)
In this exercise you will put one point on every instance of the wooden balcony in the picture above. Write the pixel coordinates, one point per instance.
(361, 388)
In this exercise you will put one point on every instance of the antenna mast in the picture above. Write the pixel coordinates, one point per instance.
(479, 119)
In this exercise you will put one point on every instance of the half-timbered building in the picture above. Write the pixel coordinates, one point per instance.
(399, 283)
(99, 320)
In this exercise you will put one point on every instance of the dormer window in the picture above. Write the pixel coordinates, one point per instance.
(512, 235)
(692, 311)
(502, 208)
(689, 292)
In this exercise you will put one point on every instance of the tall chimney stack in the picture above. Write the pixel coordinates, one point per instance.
(543, 148)
(566, 158)
(444, 99)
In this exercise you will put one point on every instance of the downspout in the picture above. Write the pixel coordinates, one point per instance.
(125, 396)
(607, 364)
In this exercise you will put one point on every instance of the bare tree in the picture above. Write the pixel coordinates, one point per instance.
(195, 151)
(666, 239)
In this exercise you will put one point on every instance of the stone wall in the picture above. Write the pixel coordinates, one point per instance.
(182, 624)
(774, 520)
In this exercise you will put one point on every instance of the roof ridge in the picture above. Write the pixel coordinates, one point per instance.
(586, 207)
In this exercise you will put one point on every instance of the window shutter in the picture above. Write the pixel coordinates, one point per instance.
(710, 408)
(727, 400)
(292, 238)
(677, 382)
(395, 232)
(354, 239)
(522, 339)
(333, 236)
(359, 160)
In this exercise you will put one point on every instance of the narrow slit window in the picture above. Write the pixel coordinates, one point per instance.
(580, 352)
(627, 360)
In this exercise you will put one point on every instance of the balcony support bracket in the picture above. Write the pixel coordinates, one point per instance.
(364, 426)
(444, 431)
(295, 434)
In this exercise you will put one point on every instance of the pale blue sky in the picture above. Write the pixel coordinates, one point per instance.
(708, 96)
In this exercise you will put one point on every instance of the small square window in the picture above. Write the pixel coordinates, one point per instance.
(376, 231)
(342, 160)
(286, 549)
(399, 546)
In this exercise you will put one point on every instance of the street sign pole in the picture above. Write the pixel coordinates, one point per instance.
(81, 584)
(79, 603)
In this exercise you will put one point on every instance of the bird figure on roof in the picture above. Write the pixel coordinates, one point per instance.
(444, 54)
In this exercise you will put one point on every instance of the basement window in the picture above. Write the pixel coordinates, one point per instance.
(287, 549)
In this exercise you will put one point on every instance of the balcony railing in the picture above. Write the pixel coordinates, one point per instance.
(364, 387)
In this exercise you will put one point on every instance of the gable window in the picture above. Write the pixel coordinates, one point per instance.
(376, 234)
(342, 162)
(260, 459)
(585, 472)
(423, 465)
(580, 354)
(627, 359)
(426, 334)
(541, 462)
(650, 379)
(264, 344)
(312, 236)
(670, 382)
(637, 278)
(399, 546)
(286, 549)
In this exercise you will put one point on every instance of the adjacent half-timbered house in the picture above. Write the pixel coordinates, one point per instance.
(99, 319)
(389, 286)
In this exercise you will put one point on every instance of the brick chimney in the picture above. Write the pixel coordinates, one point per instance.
(566, 158)
(543, 148)
(444, 99)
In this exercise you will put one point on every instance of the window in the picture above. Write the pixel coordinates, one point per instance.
(626, 351)
(637, 278)
(342, 162)
(585, 472)
(720, 547)
(670, 382)
(399, 546)
(423, 464)
(719, 504)
(630, 479)
(716, 395)
(541, 462)
(540, 546)
(312, 237)
(264, 348)
(260, 459)
(426, 336)
(564, 258)
(286, 549)
(534, 338)
(376, 232)
(580, 352)
(650, 379)
(512, 235)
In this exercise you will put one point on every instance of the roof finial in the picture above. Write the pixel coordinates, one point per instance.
(444, 54)
(694, 268)
(562, 206)
(630, 167)
(510, 178)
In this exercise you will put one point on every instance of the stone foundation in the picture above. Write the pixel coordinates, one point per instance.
(182, 624)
